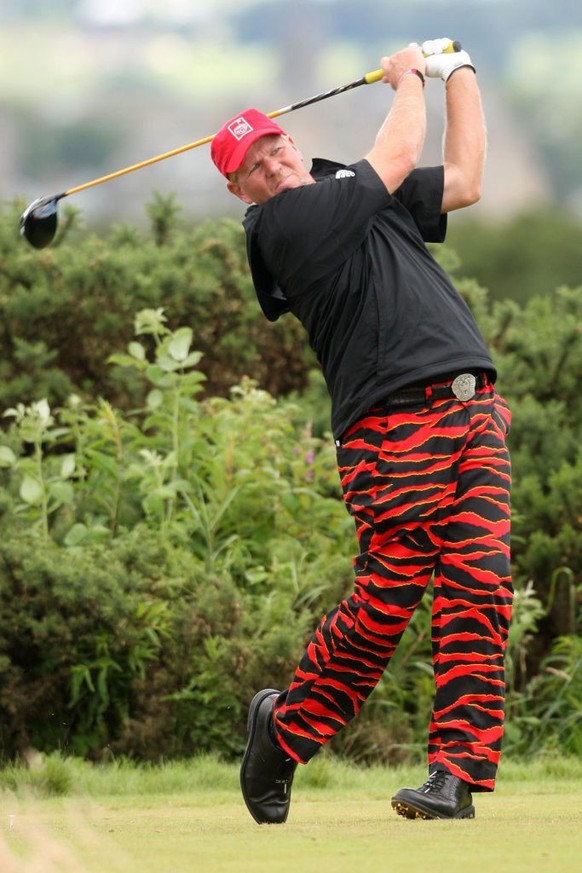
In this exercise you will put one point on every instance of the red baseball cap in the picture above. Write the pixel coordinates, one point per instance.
(230, 145)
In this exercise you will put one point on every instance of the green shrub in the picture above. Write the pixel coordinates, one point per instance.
(134, 476)
(523, 256)
(547, 715)
(158, 565)
(65, 309)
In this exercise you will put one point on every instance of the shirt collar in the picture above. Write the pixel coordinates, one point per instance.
(321, 168)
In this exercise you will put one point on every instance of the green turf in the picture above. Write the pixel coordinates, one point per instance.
(531, 823)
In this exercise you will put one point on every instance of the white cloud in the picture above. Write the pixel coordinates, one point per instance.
(110, 11)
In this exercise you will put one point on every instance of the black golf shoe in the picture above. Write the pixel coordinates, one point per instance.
(442, 796)
(266, 773)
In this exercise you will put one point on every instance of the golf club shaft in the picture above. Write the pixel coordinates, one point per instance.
(367, 79)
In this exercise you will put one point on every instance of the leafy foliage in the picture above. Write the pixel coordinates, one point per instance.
(65, 310)
(168, 550)
(158, 566)
(521, 257)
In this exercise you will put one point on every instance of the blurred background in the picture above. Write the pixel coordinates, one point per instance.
(90, 86)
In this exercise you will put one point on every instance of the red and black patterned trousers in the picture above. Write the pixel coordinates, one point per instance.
(429, 491)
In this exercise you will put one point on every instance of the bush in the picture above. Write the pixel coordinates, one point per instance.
(211, 518)
(157, 567)
(64, 310)
(525, 256)
(547, 715)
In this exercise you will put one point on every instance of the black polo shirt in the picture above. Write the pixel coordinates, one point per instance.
(349, 260)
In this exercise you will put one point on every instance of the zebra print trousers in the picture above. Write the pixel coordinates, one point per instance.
(429, 490)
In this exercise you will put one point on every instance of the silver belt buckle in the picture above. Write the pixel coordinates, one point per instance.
(464, 386)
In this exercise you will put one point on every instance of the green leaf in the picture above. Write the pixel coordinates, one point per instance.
(7, 457)
(122, 360)
(31, 491)
(168, 364)
(155, 399)
(62, 493)
(151, 321)
(155, 374)
(76, 535)
(68, 466)
(81, 535)
(137, 351)
(192, 360)
(179, 344)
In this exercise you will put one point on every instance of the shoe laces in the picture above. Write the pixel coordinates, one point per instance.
(435, 781)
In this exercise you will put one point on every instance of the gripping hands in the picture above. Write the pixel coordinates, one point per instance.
(443, 57)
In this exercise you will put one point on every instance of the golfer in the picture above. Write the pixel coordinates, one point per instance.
(419, 429)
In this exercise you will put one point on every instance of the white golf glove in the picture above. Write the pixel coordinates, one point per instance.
(436, 46)
(439, 62)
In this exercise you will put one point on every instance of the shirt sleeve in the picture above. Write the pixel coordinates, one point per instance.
(421, 194)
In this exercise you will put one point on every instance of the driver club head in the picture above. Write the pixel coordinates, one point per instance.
(38, 223)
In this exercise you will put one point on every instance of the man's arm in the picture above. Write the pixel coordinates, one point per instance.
(464, 141)
(399, 142)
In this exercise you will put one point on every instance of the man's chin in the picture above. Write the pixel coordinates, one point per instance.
(288, 182)
(293, 182)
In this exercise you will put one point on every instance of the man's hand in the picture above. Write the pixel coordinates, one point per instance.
(437, 46)
(400, 62)
(439, 62)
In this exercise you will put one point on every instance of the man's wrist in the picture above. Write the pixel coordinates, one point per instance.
(461, 67)
(415, 72)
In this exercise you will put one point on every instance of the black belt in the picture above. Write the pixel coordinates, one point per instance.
(464, 386)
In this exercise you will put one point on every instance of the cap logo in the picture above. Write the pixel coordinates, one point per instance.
(239, 127)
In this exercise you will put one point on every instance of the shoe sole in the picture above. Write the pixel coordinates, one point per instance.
(408, 811)
(259, 697)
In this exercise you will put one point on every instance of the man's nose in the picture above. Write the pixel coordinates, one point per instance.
(272, 166)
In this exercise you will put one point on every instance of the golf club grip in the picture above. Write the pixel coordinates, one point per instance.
(377, 75)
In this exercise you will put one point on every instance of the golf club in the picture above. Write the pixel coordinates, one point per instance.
(38, 223)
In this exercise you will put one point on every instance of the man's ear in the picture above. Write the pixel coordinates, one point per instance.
(295, 146)
(237, 191)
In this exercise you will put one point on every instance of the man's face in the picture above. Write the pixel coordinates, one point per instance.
(272, 164)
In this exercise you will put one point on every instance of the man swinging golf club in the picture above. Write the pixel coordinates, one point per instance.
(419, 429)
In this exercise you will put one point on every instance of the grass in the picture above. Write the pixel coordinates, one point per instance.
(190, 817)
